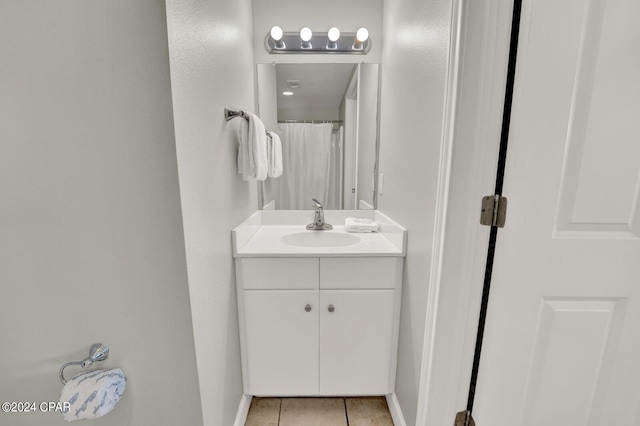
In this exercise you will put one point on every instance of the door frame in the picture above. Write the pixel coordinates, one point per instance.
(474, 97)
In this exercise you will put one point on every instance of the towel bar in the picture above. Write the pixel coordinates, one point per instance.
(230, 114)
(98, 352)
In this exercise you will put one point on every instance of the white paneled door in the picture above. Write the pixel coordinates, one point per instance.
(562, 343)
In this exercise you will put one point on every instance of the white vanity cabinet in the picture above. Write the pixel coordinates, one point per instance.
(312, 326)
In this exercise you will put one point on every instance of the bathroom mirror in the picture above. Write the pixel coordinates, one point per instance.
(327, 118)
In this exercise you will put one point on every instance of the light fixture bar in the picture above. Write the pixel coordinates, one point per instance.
(318, 43)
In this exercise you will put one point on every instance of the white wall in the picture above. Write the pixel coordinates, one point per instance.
(292, 15)
(212, 67)
(414, 69)
(91, 240)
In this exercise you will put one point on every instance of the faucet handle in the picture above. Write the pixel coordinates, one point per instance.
(316, 204)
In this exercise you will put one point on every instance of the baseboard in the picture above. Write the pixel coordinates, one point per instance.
(243, 410)
(394, 409)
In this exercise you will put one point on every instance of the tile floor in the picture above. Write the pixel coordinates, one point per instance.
(361, 411)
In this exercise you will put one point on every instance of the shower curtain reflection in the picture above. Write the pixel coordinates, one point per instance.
(312, 166)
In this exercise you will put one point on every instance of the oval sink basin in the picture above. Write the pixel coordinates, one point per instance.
(319, 239)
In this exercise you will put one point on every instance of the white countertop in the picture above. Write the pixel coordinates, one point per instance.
(263, 236)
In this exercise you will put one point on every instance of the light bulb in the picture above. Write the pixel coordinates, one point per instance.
(287, 93)
(306, 34)
(334, 34)
(362, 35)
(276, 33)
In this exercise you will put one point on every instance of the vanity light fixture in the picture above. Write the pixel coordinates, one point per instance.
(305, 35)
(333, 35)
(307, 41)
(362, 35)
(277, 34)
(287, 93)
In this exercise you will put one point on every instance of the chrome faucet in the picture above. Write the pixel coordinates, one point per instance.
(318, 221)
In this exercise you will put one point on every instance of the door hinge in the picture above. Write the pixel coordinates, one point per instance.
(463, 418)
(494, 211)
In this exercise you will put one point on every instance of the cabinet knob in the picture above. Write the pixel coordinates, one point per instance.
(307, 308)
(331, 308)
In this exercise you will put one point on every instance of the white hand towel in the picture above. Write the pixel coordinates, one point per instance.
(352, 224)
(92, 394)
(252, 150)
(274, 152)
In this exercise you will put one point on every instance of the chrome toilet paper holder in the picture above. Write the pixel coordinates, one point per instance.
(97, 352)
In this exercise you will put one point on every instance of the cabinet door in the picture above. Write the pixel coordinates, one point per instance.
(355, 341)
(282, 342)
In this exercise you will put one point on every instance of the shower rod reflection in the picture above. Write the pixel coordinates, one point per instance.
(311, 121)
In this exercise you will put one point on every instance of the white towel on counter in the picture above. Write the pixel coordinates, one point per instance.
(352, 224)
(252, 151)
(274, 154)
(92, 394)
